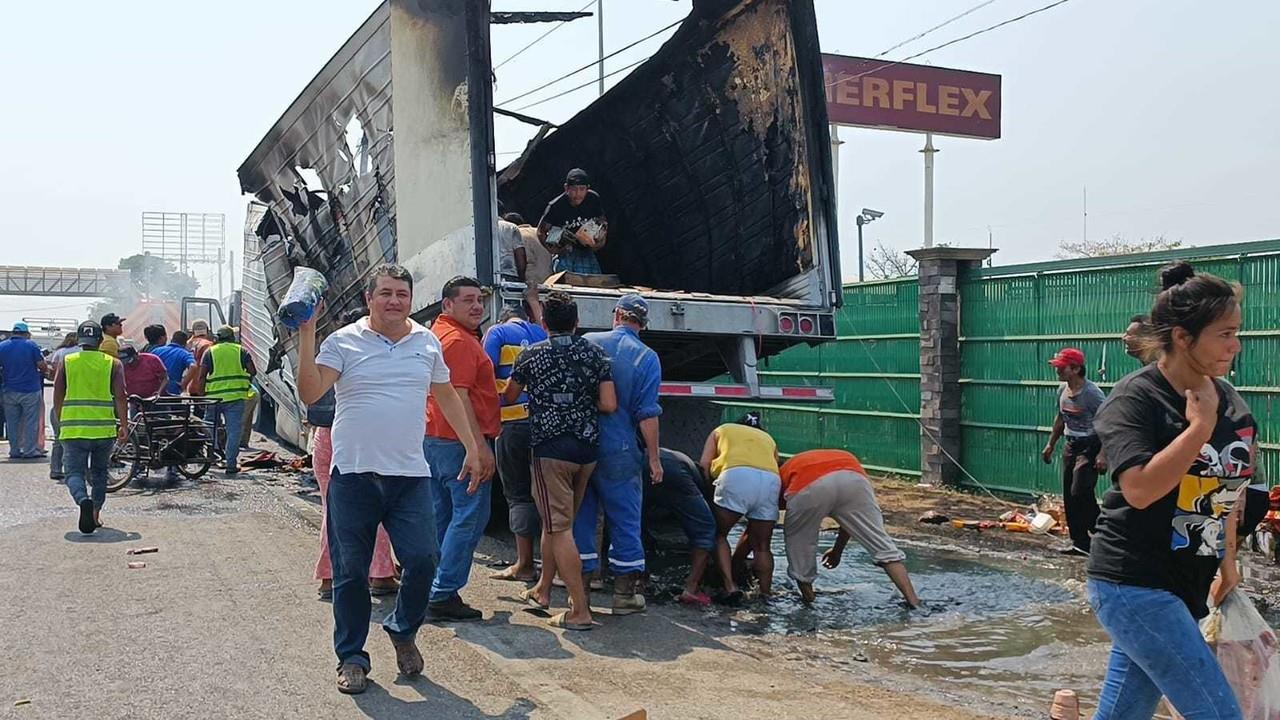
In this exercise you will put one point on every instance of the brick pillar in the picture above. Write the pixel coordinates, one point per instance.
(940, 268)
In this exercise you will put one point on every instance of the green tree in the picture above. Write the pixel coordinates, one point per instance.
(150, 278)
(1115, 245)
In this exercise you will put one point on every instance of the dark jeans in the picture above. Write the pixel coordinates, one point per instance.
(231, 415)
(356, 503)
(515, 468)
(679, 495)
(88, 459)
(1079, 478)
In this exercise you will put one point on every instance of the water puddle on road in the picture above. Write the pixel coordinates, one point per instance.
(1008, 630)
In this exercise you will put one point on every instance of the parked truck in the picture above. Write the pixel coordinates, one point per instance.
(712, 157)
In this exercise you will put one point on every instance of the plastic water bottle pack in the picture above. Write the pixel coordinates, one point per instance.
(302, 297)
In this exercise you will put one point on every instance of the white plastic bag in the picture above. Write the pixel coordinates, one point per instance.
(1246, 649)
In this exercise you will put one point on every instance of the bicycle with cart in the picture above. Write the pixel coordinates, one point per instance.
(165, 431)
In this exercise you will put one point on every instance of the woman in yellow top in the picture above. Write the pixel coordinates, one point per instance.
(742, 459)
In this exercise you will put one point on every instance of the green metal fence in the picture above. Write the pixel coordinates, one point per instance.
(873, 367)
(1012, 321)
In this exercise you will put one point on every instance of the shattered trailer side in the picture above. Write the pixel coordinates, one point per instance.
(712, 157)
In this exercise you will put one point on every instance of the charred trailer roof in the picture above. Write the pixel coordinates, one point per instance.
(711, 157)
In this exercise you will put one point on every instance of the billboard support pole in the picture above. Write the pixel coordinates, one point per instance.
(929, 151)
(836, 142)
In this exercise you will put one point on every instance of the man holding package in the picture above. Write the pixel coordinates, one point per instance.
(574, 226)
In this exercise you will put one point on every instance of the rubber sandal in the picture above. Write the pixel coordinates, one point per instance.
(561, 621)
(508, 577)
(531, 598)
(732, 599)
(699, 599)
(380, 591)
(87, 524)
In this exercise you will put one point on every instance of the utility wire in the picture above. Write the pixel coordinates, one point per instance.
(541, 37)
(939, 26)
(590, 65)
(579, 87)
(949, 43)
(916, 416)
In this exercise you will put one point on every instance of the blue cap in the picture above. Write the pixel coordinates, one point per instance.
(21, 327)
(635, 306)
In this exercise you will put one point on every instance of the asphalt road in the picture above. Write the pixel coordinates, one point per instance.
(223, 622)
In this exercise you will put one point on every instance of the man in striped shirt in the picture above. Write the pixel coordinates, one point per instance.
(503, 343)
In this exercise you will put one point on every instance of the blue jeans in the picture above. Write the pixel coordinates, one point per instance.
(460, 518)
(230, 415)
(355, 504)
(22, 422)
(1156, 650)
(679, 495)
(579, 260)
(87, 457)
(615, 485)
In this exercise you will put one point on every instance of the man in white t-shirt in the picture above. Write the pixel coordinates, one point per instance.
(381, 368)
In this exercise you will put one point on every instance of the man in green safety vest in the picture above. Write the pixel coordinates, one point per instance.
(225, 373)
(90, 403)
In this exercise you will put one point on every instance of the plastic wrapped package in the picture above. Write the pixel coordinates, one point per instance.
(302, 297)
(1246, 649)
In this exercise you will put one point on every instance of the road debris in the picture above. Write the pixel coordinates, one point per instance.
(137, 565)
(142, 550)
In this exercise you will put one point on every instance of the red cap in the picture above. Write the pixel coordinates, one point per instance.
(1067, 357)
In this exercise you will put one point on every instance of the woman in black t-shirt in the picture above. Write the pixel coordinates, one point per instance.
(1181, 443)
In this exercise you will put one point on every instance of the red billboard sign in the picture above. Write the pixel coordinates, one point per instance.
(914, 98)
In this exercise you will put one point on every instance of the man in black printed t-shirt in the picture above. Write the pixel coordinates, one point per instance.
(578, 217)
(569, 384)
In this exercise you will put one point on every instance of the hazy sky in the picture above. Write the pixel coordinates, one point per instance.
(1165, 109)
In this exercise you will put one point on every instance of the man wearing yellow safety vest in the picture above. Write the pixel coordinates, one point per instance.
(89, 400)
(225, 373)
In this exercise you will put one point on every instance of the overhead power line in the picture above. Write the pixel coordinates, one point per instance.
(949, 43)
(939, 26)
(576, 88)
(590, 65)
(541, 37)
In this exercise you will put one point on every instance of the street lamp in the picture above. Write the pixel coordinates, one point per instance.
(867, 215)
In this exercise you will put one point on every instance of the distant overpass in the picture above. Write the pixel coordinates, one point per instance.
(61, 282)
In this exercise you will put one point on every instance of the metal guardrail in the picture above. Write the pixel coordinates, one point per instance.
(61, 282)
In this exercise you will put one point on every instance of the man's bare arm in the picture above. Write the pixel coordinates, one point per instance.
(313, 380)
(475, 464)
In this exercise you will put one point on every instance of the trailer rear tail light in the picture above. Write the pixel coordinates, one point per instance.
(786, 323)
(806, 325)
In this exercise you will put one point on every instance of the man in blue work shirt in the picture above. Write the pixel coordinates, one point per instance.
(503, 343)
(24, 369)
(177, 360)
(616, 482)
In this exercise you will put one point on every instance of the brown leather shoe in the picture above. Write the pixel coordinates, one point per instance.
(408, 659)
(352, 679)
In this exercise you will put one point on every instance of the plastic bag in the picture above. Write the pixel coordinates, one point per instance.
(1246, 649)
(300, 300)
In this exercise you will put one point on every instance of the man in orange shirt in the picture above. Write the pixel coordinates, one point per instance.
(818, 484)
(460, 516)
(201, 340)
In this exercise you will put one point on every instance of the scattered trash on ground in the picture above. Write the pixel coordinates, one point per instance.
(23, 701)
(1032, 521)
(137, 565)
(142, 550)
(260, 459)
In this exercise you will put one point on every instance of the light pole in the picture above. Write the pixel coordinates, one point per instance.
(867, 215)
